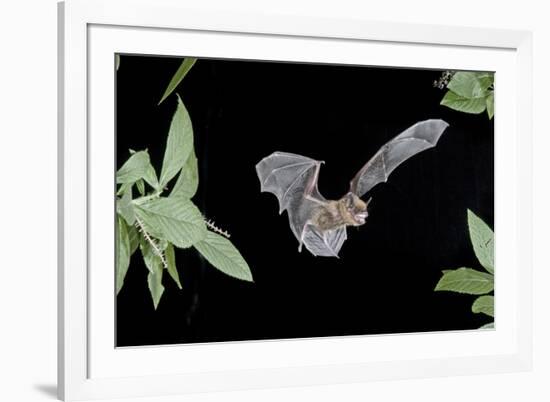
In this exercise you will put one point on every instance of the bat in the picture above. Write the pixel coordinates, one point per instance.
(318, 223)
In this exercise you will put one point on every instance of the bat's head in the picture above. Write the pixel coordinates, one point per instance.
(355, 209)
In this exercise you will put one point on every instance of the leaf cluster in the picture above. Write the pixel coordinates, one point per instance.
(156, 224)
(471, 92)
(472, 281)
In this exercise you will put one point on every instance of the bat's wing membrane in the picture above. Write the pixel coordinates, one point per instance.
(326, 244)
(290, 177)
(415, 139)
(293, 179)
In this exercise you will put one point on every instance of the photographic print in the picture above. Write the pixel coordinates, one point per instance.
(259, 200)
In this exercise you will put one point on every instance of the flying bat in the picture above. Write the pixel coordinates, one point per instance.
(318, 223)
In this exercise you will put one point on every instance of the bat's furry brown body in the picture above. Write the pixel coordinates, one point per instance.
(349, 210)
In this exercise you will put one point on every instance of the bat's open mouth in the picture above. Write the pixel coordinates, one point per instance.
(360, 218)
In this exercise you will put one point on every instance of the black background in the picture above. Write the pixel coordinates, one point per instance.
(383, 282)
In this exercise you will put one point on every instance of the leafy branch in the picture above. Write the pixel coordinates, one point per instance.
(468, 92)
(156, 223)
(472, 281)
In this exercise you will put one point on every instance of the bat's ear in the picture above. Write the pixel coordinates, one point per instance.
(368, 202)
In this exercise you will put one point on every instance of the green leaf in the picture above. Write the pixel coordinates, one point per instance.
(125, 208)
(486, 80)
(180, 74)
(148, 254)
(150, 177)
(482, 239)
(470, 85)
(141, 187)
(490, 101)
(134, 168)
(154, 265)
(154, 280)
(124, 188)
(462, 104)
(122, 252)
(176, 220)
(490, 325)
(223, 255)
(171, 261)
(133, 236)
(466, 280)
(485, 305)
(188, 179)
(137, 167)
(179, 144)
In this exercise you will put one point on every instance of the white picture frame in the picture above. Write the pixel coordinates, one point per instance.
(90, 32)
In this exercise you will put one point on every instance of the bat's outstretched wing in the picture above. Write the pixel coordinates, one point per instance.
(325, 244)
(293, 179)
(290, 177)
(415, 139)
